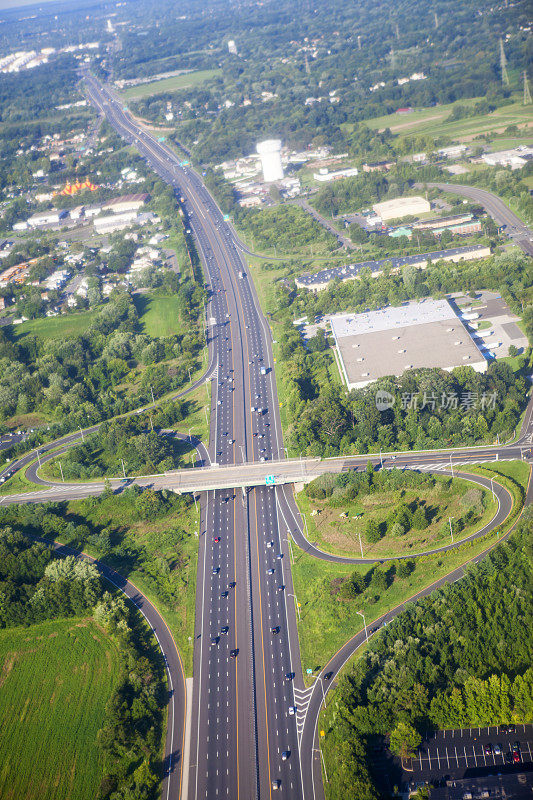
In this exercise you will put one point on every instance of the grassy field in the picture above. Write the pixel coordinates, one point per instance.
(328, 620)
(432, 121)
(172, 84)
(172, 539)
(159, 315)
(54, 327)
(55, 680)
(340, 535)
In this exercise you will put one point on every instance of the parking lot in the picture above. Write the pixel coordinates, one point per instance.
(472, 750)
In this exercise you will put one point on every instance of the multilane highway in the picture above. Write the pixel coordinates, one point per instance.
(244, 741)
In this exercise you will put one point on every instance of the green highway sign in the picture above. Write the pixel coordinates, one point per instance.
(270, 480)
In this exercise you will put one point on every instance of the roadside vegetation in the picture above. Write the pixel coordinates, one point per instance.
(148, 537)
(331, 595)
(418, 675)
(392, 512)
(65, 636)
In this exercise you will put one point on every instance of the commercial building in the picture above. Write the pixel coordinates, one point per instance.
(516, 159)
(402, 207)
(269, 152)
(116, 222)
(321, 280)
(324, 175)
(392, 340)
(129, 202)
(47, 218)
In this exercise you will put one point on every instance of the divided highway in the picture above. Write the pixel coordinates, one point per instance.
(247, 666)
(252, 735)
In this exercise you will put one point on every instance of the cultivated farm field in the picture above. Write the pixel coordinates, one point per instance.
(55, 680)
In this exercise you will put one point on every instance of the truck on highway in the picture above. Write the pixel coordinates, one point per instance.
(264, 370)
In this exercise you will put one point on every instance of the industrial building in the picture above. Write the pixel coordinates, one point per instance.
(516, 159)
(269, 152)
(325, 176)
(116, 222)
(129, 202)
(392, 340)
(321, 280)
(402, 207)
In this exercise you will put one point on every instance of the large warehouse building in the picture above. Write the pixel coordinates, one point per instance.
(393, 340)
(402, 207)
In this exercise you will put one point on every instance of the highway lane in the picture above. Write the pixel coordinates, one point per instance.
(204, 219)
(218, 251)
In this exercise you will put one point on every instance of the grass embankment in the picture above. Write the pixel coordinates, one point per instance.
(55, 678)
(172, 84)
(339, 534)
(19, 484)
(159, 556)
(328, 619)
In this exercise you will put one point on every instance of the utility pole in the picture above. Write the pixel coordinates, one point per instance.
(61, 471)
(81, 431)
(123, 468)
(358, 42)
(360, 544)
(38, 457)
(451, 465)
(397, 31)
(503, 65)
(152, 393)
(451, 529)
(527, 93)
(364, 623)
(436, 19)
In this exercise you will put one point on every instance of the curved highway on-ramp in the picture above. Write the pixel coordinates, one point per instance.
(312, 767)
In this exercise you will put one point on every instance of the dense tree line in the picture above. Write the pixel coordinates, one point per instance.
(444, 662)
(116, 544)
(75, 379)
(134, 441)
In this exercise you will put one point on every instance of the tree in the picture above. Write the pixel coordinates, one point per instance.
(419, 521)
(404, 740)
(372, 531)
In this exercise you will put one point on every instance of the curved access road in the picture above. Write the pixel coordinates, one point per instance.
(32, 471)
(310, 753)
(497, 209)
(69, 440)
(293, 520)
(177, 694)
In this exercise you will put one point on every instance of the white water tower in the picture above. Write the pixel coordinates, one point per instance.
(270, 155)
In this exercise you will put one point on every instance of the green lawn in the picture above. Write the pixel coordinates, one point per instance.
(159, 315)
(54, 327)
(55, 680)
(170, 84)
(145, 546)
(328, 620)
(340, 535)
